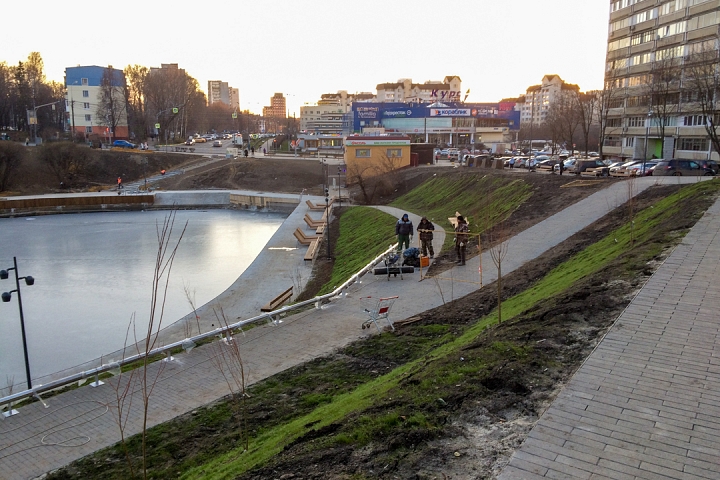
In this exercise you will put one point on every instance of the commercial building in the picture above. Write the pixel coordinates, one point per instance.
(95, 102)
(368, 156)
(658, 56)
(405, 91)
(277, 107)
(493, 124)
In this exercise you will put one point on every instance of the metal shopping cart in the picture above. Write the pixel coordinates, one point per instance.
(379, 312)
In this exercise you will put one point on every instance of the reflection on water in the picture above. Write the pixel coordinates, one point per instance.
(93, 275)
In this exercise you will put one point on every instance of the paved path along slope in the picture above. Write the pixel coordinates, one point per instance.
(82, 421)
(646, 402)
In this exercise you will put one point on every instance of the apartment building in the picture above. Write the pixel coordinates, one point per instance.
(405, 91)
(95, 102)
(222, 92)
(656, 107)
(535, 104)
(277, 107)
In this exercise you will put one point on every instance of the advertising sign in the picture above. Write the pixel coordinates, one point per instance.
(449, 112)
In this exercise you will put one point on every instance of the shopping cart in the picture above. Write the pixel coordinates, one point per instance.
(379, 312)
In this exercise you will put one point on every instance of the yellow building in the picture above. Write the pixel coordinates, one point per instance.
(376, 155)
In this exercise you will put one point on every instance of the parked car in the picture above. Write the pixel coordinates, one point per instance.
(582, 165)
(190, 141)
(711, 164)
(622, 168)
(123, 144)
(200, 140)
(679, 167)
(217, 143)
(640, 170)
(567, 165)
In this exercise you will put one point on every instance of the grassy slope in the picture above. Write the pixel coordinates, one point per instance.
(364, 234)
(484, 200)
(376, 391)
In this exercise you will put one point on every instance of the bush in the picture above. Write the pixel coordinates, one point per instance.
(67, 161)
(11, 155)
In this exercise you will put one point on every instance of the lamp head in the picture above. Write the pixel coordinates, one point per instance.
(6, 297)
(3, 274)
(29, 280)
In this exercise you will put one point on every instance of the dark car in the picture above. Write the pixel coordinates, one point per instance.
(711, 164)
(678, 167)
(582, 165)
(123, 144)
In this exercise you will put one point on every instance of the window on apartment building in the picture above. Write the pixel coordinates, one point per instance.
(630, 142)
(615, 103)
(86, 94)
(86, 105)
(618, 44)
(637, 80)
(362, 153)
(695, 144)
(614, 122)
(672, 29)
(88, 118)
(673, 52)
(707, 20)
(636, 121)
(88, 129)
(620, 4)
(84, 81)
(611, 141)
(394, 152)
(644, 16)
(643, 37)
(694, 120)
(691, 3)
(637, 101)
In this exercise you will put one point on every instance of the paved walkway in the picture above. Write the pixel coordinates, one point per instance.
(646, 403)
(82, 421)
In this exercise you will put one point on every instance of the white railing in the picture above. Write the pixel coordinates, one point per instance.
(87, 374)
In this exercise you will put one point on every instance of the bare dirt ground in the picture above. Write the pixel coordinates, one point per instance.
(476, 424)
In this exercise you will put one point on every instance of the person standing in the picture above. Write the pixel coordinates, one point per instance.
(512, 163)
(404, 230)
(252, 150)
(461, 238)
(425, 228)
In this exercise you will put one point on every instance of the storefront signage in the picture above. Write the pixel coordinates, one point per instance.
(367, 112)
(449, 95)
(355, 143)
(397, 113)
(449, 112)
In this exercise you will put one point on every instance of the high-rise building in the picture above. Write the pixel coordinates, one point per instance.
(218, 91)
(277, 107)
(662, 60)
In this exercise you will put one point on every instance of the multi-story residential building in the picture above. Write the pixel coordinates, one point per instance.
(404, 91)
(218, 92)
(655, 104)
(535, 104)
(277, 107)
(324, 119)
(95, 102)
(235, 98)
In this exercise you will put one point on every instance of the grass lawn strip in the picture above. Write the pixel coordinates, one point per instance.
(583, 264)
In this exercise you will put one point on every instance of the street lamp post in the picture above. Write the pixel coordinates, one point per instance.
(6, 296)
(647, 134)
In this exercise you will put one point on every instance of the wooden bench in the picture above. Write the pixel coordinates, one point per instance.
(320, 230)
(277, 301)
(312, 250)
(318, 207)
(314, 223)
(304, 239)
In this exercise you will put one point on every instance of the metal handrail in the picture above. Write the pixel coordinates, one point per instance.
(35, 391)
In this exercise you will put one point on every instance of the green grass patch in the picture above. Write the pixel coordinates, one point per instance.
(431, 383)
(484, 200)
(364, 234)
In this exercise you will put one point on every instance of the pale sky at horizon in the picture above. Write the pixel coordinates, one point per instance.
(306, 48)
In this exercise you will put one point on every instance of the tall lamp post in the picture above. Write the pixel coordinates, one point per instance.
(6, 296)
(647, 133)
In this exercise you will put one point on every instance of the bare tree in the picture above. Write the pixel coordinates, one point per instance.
(67, 161)
(498, 251)
(112, 101)
(664, 91)
(138, 121)
(702, 87)
(11, 155)
(586, 104)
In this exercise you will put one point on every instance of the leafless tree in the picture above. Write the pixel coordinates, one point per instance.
(498, 251)
(586, 104)
(67, 161)
(563, 117)
(11, 155)
(664, 91)
(702, 87)
(112, 101)
(138, 121)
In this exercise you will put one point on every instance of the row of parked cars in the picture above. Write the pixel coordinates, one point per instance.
(638, 168)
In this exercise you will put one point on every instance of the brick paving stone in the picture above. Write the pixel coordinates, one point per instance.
(661, 353)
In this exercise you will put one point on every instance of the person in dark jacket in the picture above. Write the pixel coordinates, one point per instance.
(404, 230)
(461, 239)
(425, 228)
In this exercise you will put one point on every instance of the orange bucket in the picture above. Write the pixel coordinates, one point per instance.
(424, 261)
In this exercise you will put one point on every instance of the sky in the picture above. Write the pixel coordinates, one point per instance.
(304, 48)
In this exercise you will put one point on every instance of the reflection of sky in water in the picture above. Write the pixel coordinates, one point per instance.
(94, 271)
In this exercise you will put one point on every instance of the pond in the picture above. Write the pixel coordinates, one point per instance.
(94, 275)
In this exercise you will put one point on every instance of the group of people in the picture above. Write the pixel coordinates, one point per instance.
(404, 233)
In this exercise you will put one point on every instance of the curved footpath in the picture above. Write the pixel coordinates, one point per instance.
(32, 443)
